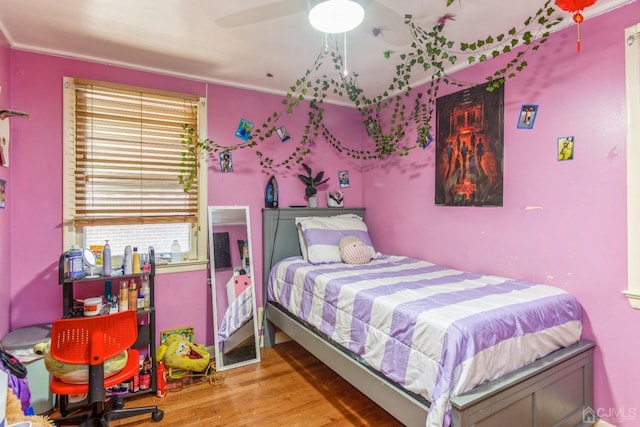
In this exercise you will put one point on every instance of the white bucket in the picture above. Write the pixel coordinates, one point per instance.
(92, 306)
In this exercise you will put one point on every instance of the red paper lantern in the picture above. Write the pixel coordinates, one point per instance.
(575, 6)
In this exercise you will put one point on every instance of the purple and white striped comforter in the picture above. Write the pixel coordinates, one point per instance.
(237, 315)
(436, 331)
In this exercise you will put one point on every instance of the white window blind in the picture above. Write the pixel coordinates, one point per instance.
(129, 154)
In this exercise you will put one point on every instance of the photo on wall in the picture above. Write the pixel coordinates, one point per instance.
(4, 143)
(244, 129)
(226, 162)
(565, 148)
(527, 116)
(283, 133)
(343, 178)
(470, 147)
(3, 189)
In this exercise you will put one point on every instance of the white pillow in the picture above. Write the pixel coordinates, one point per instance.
(321, 236)
(303, 243)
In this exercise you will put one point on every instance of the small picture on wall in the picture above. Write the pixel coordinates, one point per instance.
(283, 133)
(4, 143)
(565, 148)
(527, 116)
(370, 126)
(244, 129)
(226, 163)
(3, 187)
(343, 177)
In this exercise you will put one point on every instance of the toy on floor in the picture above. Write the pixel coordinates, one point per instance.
(179, 353)
(15, 415)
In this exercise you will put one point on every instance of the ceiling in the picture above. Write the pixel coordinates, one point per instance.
(259, 44)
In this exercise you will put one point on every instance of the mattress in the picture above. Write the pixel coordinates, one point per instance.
(435, 331)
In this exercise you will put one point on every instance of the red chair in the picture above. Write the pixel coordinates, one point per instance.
(90, 341)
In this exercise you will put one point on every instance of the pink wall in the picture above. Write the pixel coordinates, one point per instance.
(5, 214)
(181, 298)
(562, 223)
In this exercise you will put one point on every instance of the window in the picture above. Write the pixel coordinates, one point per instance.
(632, 65)
(123, 155)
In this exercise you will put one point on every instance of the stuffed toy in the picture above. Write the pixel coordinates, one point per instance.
(354, 251)
(14, 414)
(77, 374)
(179, 353)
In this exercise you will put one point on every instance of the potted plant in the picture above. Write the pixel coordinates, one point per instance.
(311, 182)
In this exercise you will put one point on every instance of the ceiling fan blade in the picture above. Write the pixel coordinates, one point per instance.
(385, 24)
(265, 12)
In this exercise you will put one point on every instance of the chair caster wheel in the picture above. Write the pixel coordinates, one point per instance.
(157, 415)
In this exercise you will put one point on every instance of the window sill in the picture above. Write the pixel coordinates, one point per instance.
(180, 267)
(634, 298)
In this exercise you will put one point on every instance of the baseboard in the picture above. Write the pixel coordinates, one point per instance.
(211, 349)
(281, 337)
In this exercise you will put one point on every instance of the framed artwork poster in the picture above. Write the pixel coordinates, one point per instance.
(470, 147)
(527, 116)
(221, 251)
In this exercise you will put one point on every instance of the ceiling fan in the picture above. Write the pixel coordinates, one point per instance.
(380, 21)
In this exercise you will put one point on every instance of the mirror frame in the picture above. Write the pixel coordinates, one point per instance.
(230, 220)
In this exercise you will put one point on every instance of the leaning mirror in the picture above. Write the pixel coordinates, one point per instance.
(235, 325)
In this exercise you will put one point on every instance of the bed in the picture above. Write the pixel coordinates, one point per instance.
(538, 389)
(236, 325)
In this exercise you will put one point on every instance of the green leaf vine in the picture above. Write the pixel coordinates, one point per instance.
(387, 116)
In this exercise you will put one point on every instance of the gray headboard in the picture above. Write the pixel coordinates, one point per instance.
(280, 236)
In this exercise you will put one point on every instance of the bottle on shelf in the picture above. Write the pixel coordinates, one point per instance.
(136, 261)
(175, 251)
(106, 259)
(133, 295)
(146, 292)
(107, 291)
(134, 383)
(76, 265)
(127, 260)
(123, 301)
(145, 374)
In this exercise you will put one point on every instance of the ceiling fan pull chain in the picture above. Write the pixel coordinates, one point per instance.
(326, 43)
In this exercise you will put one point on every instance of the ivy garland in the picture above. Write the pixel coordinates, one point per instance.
(430, 51)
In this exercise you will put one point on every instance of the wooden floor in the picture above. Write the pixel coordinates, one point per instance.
(289, 387)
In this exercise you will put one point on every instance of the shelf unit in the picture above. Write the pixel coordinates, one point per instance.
(146, 317)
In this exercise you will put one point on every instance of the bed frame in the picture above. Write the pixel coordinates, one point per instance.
(556, 390)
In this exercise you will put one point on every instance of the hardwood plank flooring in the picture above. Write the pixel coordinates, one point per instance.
(290, 387)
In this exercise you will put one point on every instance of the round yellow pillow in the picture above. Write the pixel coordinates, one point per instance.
(77, 373)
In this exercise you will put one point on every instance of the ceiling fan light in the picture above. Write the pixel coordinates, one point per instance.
(336, 16)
